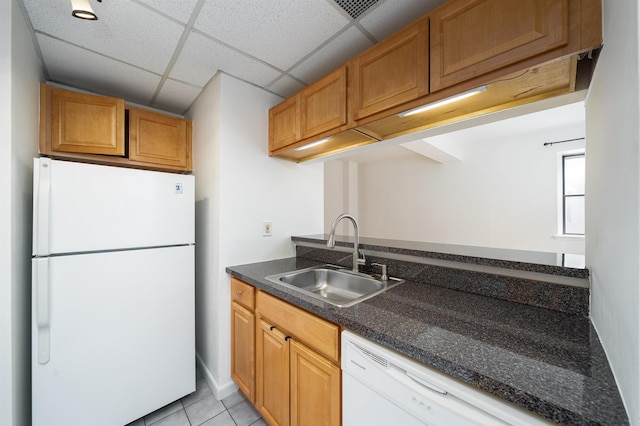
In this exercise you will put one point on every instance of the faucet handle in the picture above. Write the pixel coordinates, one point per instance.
(384, 276)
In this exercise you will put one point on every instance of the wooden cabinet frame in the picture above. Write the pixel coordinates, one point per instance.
(96, 129)
(297, 359)
(442, 54)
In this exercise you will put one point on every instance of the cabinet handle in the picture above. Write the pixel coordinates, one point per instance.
(238, 292)
(272, 327)
(287, 338)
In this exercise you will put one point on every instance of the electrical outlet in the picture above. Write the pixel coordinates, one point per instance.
(266, 229)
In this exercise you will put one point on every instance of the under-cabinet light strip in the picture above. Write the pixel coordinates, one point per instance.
(312, 144)
(444, 101)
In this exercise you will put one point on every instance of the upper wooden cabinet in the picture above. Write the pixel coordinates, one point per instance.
(470, 38)
(284, 124)
(317, 112)
(159, 139)
(319, 108)
(84, 123)
(92, 128)
(521, 51)
(392, 72)
(323, 105)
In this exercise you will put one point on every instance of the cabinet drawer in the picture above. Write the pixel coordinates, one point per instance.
(315, 332)
(242, 293)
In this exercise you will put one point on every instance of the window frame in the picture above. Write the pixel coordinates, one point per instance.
(564, 196)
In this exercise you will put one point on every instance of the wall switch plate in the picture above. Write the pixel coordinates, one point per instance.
(266, 229)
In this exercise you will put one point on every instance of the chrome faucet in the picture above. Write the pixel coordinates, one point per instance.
(331, 243)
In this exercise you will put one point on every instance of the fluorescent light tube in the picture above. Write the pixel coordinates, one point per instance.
(444, 101)
(312, 144)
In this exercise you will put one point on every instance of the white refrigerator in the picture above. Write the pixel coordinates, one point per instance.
(113, 335)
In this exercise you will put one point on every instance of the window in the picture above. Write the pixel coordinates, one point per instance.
(573, 174)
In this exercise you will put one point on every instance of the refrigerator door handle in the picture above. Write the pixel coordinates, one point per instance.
(42, 309)
(41, 206)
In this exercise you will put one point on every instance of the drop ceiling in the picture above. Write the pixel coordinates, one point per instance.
(162, 53)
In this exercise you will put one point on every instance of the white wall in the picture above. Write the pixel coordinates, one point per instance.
(341, 194)
(6, 400)
(237, 188)
(20, 73)
(503, 193)
(613, 188)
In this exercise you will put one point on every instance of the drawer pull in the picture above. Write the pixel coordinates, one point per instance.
(272, 327)
(238, 292)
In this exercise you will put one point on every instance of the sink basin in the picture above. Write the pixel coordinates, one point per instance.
(331, 284)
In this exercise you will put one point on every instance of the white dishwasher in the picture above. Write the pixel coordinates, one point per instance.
(382, 387)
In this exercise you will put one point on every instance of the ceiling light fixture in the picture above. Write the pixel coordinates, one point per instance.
(444, 101)
(312, 144)
(81, 9)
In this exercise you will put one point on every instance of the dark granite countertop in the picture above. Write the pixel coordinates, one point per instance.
(568, 265)
(548, 362)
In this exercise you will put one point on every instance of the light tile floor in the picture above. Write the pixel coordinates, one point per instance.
(201, 408)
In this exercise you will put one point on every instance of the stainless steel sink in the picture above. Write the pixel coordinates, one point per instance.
(331, 284)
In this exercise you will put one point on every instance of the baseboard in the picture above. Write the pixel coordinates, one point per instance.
(220, 391)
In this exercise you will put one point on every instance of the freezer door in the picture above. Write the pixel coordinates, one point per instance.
(85, 207)
(119, 328)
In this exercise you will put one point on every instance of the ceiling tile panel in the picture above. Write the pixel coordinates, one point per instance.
(124, 30)
(279, 32)
(286, 86)
(201, 57)
(180, 10)
(385, 18)
(176, 96)
(87, 70)
(337, 52)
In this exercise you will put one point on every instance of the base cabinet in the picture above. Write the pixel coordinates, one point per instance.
(293, 376)
(314, 380)
(272, 359)
(243, 353)
(243, 338)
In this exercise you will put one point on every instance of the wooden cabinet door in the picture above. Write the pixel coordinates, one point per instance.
(284, 123)
(272, 374)
(243, 349)
(323, 105)
(159, 139)
(315, 388)
(392, 72)
(473, 37)
(85, 123)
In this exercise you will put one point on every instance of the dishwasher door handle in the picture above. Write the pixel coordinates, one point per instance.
(424, 383)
